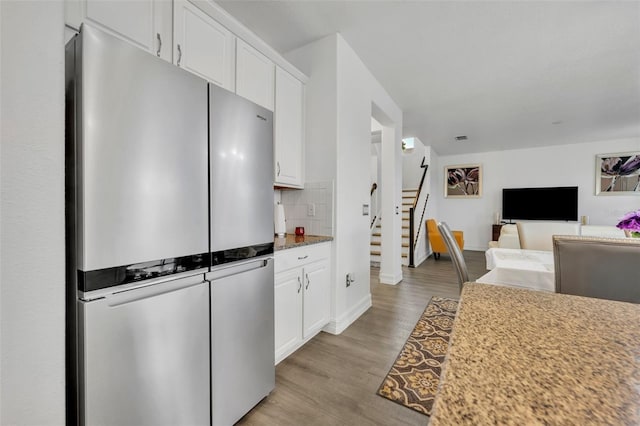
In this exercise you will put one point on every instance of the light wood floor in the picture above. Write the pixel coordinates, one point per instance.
(333, 380)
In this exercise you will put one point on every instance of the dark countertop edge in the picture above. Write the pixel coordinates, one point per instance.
(290, 241)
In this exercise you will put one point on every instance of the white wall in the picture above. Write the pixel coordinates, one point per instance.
(376, 173)
(340, 94)
(565, 165)
(422, 248)
(411, 160)
(434, 181)
(357, 90)
(1, 139)
(32, 279)
(318, 61)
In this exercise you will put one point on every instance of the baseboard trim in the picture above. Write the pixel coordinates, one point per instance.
(390, 279)
(337, 326)
(421, 259)
(474, 248)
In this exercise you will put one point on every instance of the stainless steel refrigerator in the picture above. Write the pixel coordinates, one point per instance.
(242, 287)
(160, 192)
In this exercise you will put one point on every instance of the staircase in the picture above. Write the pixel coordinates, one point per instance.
(375, 244)
(408, 198)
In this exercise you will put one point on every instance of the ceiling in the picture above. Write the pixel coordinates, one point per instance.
(508, 75)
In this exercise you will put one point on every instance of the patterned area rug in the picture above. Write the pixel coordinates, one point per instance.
(414, 377)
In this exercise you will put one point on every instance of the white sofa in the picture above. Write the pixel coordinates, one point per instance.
(538, 235)
(601, 231)
(508, 238)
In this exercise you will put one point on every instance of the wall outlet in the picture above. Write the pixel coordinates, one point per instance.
(311, 209)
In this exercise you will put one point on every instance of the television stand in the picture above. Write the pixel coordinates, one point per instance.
(495, 232)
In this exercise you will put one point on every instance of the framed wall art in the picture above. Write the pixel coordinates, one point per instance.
(463, 181)
(618, 174)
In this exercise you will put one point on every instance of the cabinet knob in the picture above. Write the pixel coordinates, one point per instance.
(179, 55)
(159, 44)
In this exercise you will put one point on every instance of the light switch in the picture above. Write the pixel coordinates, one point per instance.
(365, 210)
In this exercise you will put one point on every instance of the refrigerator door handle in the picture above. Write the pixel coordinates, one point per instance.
(138, 293)
(238, 268)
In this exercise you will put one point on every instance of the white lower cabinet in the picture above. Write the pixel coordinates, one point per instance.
(315, 299)
(288, 312)
(302, 296)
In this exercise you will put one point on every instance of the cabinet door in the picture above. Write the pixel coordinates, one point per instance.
(202, 45)
(288, 312)
(288, 129)
(254, 75)
(316, 297)
(144, 23)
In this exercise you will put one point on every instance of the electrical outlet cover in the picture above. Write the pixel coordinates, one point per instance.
(311, 209)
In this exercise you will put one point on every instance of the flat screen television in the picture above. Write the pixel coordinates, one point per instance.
(559, 203)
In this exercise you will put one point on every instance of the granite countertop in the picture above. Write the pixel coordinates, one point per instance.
(293, 241)
(520, 357)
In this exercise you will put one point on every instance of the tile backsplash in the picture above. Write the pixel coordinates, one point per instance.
(296, 208)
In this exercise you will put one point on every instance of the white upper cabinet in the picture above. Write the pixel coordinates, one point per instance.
(254, 75)
(202, 40)
(288, 130)
(144, 23)
(202, 45)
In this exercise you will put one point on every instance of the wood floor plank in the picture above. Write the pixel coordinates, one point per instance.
(333, 380)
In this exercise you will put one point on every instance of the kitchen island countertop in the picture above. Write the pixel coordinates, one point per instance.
(529, 357)
(293, 241)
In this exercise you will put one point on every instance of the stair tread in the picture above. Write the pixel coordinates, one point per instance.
(375, 253)
(375, 243)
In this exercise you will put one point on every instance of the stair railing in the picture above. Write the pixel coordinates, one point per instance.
(374, 221)
(374, 205)
(413, 237)
(417, 241)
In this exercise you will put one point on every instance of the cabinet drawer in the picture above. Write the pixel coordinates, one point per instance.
(296, 257)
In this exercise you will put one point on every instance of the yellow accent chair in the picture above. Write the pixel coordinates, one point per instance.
(437, 243)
